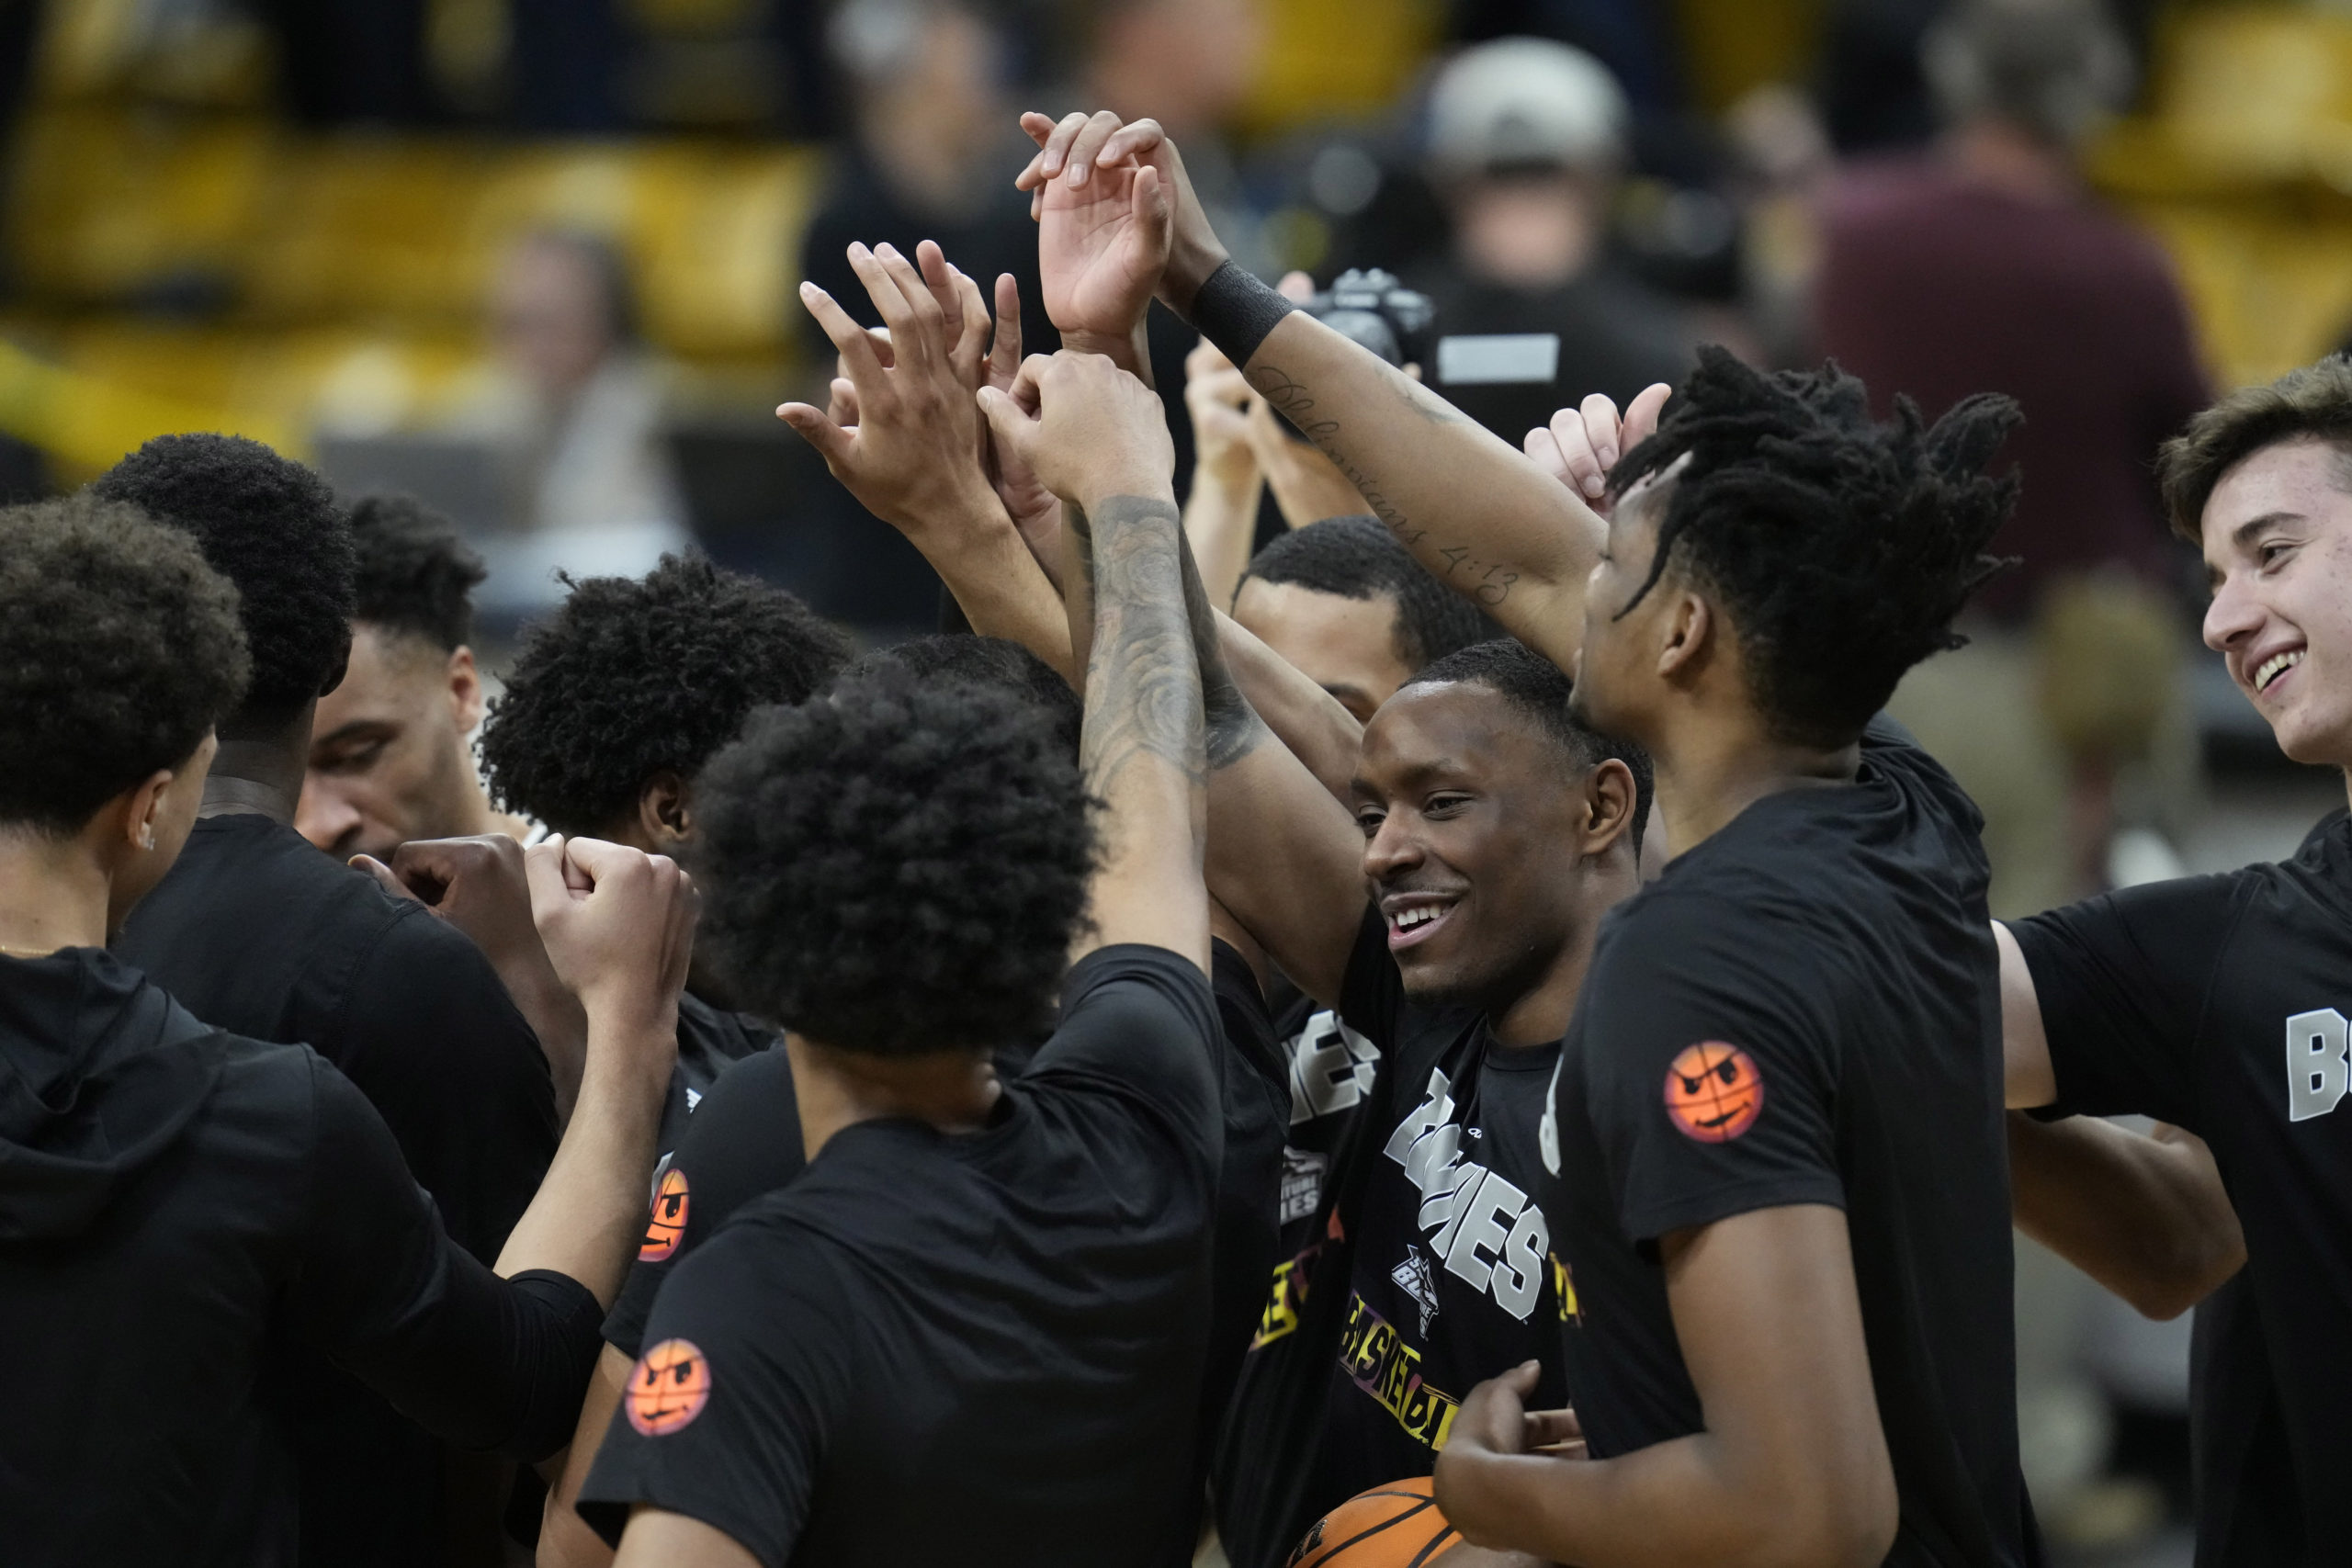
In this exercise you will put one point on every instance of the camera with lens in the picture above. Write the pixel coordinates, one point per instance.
(1373, 308)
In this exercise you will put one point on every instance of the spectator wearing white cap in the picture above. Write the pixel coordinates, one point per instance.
(1526, 142)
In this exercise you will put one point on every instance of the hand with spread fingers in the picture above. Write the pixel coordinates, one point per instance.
(1105, 224)
(913, 456)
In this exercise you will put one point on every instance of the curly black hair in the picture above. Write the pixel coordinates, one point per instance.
(416, 576)
(119, 648)
(968, 655)
(1533, 687)
(632, 677)
(272, 528)
(1358, 558)
(897, 866)
(1841, 547)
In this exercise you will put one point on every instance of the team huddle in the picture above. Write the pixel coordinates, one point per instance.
(1481, 1011)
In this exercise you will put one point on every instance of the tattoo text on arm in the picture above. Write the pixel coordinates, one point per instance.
(1489, 583)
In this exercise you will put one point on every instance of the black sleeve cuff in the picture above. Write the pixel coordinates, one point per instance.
(559, 1333)
(1234, 310)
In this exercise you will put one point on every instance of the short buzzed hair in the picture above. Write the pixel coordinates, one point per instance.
(1358, 558)
(416, 576)
(2314, 403)
(1533, 687)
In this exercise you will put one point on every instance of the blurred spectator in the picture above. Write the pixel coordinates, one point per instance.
(1526, 142)
(1187, 63)
(1984, 266)
(933, 155)
(935, 144)
(576, 415)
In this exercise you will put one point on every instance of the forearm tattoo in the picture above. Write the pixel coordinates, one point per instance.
(1142, 687)
(1234, 727)
(1489, 583)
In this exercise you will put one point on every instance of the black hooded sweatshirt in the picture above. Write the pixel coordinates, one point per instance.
(177, 1207)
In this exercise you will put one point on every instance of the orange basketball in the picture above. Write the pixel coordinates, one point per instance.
(1395, 1526)
(668, 1223)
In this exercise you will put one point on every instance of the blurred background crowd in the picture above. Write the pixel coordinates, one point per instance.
(534, 262)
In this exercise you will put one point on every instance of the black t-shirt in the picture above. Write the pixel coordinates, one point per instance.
(1805, 1010)
(2219, 1004)
(741, 1144)
(1426, 1269)
(2249, 1510)
(255, 931)
(983, 1348)
(182, 1208)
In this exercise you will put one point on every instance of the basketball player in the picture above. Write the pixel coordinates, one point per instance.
(1783, 1198)
(743, 1142)
(2173, 1000)
(1342, 601)
(974, 1329)
(256, 932)
(390, 755)
(182, 1206)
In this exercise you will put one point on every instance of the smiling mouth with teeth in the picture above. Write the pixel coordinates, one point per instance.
(2278, 664)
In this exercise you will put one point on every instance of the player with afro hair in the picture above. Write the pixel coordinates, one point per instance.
(617, 699)
(119, 651)
(272, 528)
(890, 770)
(990, 660)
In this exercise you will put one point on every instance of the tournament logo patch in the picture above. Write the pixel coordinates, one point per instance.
(668, 1388)
(1713, 1091)
(667, 1226)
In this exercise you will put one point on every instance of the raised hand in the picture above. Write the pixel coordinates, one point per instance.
(1194, 251)
(1104, 226)
(1086, 427)
(1036, 510)
(912, 457)
(618, 926)
(1218, 398)
(1582, 443)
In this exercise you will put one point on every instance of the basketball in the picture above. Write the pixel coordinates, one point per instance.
(1395, 1526)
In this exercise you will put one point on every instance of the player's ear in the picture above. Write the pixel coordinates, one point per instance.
(1609, 800)
(664, 811)
(465, 689)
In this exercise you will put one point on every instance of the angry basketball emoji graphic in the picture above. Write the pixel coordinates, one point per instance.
(668, 1225)
(1713, 1091)
(668, 1387)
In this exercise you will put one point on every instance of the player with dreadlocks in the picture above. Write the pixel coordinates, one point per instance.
(1780, 1197)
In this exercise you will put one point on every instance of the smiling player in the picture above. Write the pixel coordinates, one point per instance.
(1794, 1342)
(2175, 999)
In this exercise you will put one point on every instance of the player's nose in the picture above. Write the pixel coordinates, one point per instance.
(322, 815)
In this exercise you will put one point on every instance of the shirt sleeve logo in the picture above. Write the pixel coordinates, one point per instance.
(1713, 1091)
(668, 1388)
(667, 1226)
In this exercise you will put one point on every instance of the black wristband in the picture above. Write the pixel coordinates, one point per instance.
(1234, 310)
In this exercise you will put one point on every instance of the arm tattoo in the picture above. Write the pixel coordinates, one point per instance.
(1143, 689)
(1295, 403)
(1234, 727)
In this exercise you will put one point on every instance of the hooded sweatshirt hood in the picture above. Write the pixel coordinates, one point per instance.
(100, 1073)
